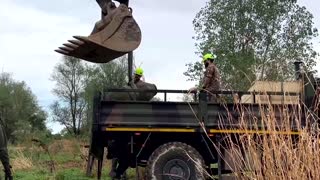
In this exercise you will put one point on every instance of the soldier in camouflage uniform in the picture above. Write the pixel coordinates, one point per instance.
(4, 157)
(120, 163)
(139, 84)
(211, 79)
(117, 171)
(137, 77)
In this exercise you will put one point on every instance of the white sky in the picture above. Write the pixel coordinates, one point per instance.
(32, 29)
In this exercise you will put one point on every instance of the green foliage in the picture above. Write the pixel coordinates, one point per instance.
(72, 174)
(69, 163)
(65, 174)
(43, 135)
(254, 39)
(76, 85)
(194, 72)
(34, 174)
(19, 109)
(101, 77)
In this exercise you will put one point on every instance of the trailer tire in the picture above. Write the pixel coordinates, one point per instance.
(175, 158)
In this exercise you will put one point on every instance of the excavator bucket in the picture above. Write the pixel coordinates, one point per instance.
(116, 34)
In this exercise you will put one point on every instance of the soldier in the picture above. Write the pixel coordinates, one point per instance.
(4, 157)
(211, 79)
(113, 173)
(115, 161)
(137, 78)
(119, 162)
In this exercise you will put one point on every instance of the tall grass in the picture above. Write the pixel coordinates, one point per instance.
(273, 153)
(21, 162)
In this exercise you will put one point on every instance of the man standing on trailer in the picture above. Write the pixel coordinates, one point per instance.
(211, 78)
(137, 78)
(117, 171)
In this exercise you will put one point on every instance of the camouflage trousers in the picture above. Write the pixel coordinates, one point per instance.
(117, 150)
(4, 157)
(114, 167)
(213, 98)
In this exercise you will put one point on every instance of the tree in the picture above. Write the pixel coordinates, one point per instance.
(194, 72)
(101, 77)
(70, 76)
(76, 84)
(19, 109)
(109, 75)
(254, 39)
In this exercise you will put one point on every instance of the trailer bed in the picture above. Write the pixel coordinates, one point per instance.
(152, 116)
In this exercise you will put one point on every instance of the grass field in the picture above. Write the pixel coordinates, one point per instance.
(33, 162)
(66, 159)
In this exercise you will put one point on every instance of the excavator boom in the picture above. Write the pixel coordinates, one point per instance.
(116, 34)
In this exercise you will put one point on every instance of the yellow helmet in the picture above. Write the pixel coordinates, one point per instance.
(208, 56)
(139, 71)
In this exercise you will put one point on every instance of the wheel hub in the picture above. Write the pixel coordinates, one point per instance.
(176, 169)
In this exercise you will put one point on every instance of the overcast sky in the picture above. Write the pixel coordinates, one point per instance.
(31, 30)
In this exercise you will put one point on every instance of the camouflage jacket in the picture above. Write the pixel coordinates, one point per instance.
(211, 79)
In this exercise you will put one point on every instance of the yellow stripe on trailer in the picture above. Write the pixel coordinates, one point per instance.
(239, 131)
(151, 129)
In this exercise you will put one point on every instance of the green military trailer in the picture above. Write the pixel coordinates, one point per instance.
(186, 140)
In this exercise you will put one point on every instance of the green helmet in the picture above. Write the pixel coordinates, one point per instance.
(139, 71)
(208, 56)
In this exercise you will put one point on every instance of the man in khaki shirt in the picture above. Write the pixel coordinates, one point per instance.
(211, 79)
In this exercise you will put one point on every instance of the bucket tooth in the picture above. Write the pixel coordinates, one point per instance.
(76, 42)
(73, 46)
(66, 49)
(81, 38)
(61, 51)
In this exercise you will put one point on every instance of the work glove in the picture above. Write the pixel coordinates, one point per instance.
(193, 90)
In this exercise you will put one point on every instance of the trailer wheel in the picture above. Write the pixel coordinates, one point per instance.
(175, 161)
